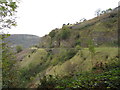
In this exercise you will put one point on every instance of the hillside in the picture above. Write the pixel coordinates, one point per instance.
(23, 40)
(82, 55)
(102, 30)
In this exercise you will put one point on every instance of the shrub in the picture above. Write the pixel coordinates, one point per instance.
(33, 50)
(106, 80)
(19, 49)
(77, 42)
(78, 47)
(71, 53)
(77, 36)
(52, 34)
(65, 33)
(48, 82)
(68, 54)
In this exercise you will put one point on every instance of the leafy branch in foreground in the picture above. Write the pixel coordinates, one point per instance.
(7, 20)
(7, 13)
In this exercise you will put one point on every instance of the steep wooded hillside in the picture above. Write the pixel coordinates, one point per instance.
(81, 55)
(101, 30)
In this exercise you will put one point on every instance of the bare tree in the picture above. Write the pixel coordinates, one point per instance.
(97, 12)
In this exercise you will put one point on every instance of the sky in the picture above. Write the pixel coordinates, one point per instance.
(39, 17)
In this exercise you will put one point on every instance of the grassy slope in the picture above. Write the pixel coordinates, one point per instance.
(56, 60)
(103, 29)
(81, 62)
(33, 60)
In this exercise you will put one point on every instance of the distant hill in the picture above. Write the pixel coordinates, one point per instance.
(23, 40)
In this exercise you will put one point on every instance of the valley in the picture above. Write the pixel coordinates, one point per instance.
(81, 55)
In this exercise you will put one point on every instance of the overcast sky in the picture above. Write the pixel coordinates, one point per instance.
(39, 17)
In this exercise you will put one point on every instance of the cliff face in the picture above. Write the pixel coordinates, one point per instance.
(102, 30)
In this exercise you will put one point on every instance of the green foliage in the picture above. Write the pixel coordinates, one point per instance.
(109, 79)
(105, 79)
(9, 71)
(48, 82)
(106, 75)
(108, 10)
(109, 23)
(91, 47)
(68, 54)
(62, 56)
(77, 42)
(52, 33)
(77, 36)
(27, 73)
(65, 33)
(33, 51)
(7, 11)
(19, 49)
(78, 47)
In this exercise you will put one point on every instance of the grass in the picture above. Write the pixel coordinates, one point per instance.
(31, 65)
(106, 76)
(34, 59)
(81, 61)
(39, 63)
